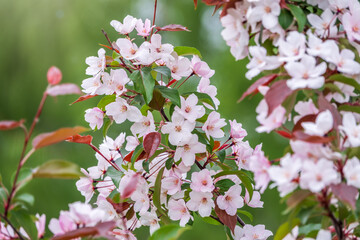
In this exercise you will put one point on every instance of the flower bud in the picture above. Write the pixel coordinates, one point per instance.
(54, 75)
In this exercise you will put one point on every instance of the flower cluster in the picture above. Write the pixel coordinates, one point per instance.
(308, 55)
(173, 162)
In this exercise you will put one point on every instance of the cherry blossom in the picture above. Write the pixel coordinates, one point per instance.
(205, 87)
(187, 149)
(91, 85)
(350, 129)
(143, 125)
(179, 129)
(231, 201)
(267, 11)
(150, 219)
(142, 28)
(179, 211)
(351, 22)
(189, 110)
(352, 172)
(96, 64)
(201, 68)
(212, 126)
(114, 83)
(201, 202)
(95, 117)
(325, 24)
(179, 67)
(120, 111)
(202, 181)
(249, 232)
(293, 47)
(322, 125)
(126, 27)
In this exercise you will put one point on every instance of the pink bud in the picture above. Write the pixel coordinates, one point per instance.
(54, 75)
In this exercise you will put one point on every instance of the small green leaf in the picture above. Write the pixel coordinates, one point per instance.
(148, 83)
(182, 50)
(224, 185)
(169, 163)
(138, 150)
(169, 232)
(246, 213)
(105, 101)
(26, 221)
(3, 197)
(203, 97)
(221, 155)
(285, 18)
(211, 221)
(58, 169)
(285, 228)
(114, 175)
(157, 102)
(145, 165)
(170, 93)
(298, 13)
(157, 196)
(346, 80)
(106, 126)
(163, 70)
(349, 108)
(354, 152)
(309, 228)
(26, 198)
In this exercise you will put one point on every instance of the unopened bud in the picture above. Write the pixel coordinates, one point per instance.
(54, 75)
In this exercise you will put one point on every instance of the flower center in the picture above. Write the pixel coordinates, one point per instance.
(178, 128)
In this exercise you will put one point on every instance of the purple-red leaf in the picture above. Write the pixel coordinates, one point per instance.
(225, 218)
(306, 118)
(7, 125)
(300, 135)
(151, 143)
(173, 28)
(83, 98)
(277, 94)
(101, 229)
(119, 207)
(54, 75)
(284, 134)
(326, 105)
(80, 139)
(130, 187)
(63, 89)
(253, 89)
(45, 139)
(345, 193)
(195, 3)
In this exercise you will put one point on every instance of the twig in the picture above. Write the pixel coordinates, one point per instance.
(153, 23)
(12, 226)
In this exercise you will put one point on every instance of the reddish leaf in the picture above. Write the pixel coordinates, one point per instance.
(80, 139)
(101, 229)
(285, 134)
(127, 158)
(130, 187)
(214, 2)
(228, 5)
(63, 89)
(345, 193)
(7, 125)
(225, 218)
(296, 198)
(119, 207)
(326, 105)
(276, 95)
(195, 3)
(45, 139)
(299, 135)
(306, 118)
(54, 75)
(253, 89)
(143, 155)
(216, 145)
(173, 28)
(83, 98)
(151, 143)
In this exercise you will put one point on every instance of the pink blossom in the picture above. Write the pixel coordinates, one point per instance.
(92, 85)
(143, 125)
(132, 143)
(316, 176)
(187, 149)
(120, 111)
(114, 145)
(322, 125)
(255, 201)
(126, 27)
(114, 83)
(352, 172)
(85, 186)
(305, 74)
(202, 202)
(242, 152)
(249, 232)
(142, 202)
(236, 131)
(205, 87)
(201, 68)
(178, 129)
(179, 211)
(293, 48)
(172, 184)
(105, 187)
(160, 51)
(266, 11)
(212, 126)
(259, 164)
(189, 110)
(202, 181)
(64, 224)
(96, 64)
(142, 28)
(344, 61)
(272, 121)
(350, 129)
(95, 117)
(231, 201)
(304, 108)
(128, 49)
(351, 22)
(325, 24)
(150, 219)
(179, 67)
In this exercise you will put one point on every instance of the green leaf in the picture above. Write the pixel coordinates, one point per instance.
(211, 221)
(285, 228)
(309, 228)
(58, 169)
(169, 232)
(169, 163)
(354, 152)
(148, 83)
(245, 179)
(346, 80)
(285, 18)
(157, 102)
(246, 213)
(138, 150)
(298, 13)
(203, 97)
(145, 165)
(221, 155)
(182, 50)
(224, 184)
(157, 196)
(26, 221)
(170, 93)
(3, 198)
(349, 108)
(105, 101)
(106, 126)
(114, 175)
(163, 70)
(26, 198)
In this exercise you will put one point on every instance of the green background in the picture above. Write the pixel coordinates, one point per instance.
(37, 34)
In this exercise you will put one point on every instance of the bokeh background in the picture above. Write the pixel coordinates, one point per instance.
(36, 34)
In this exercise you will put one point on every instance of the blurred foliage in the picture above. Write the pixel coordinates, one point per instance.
(37, 34)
